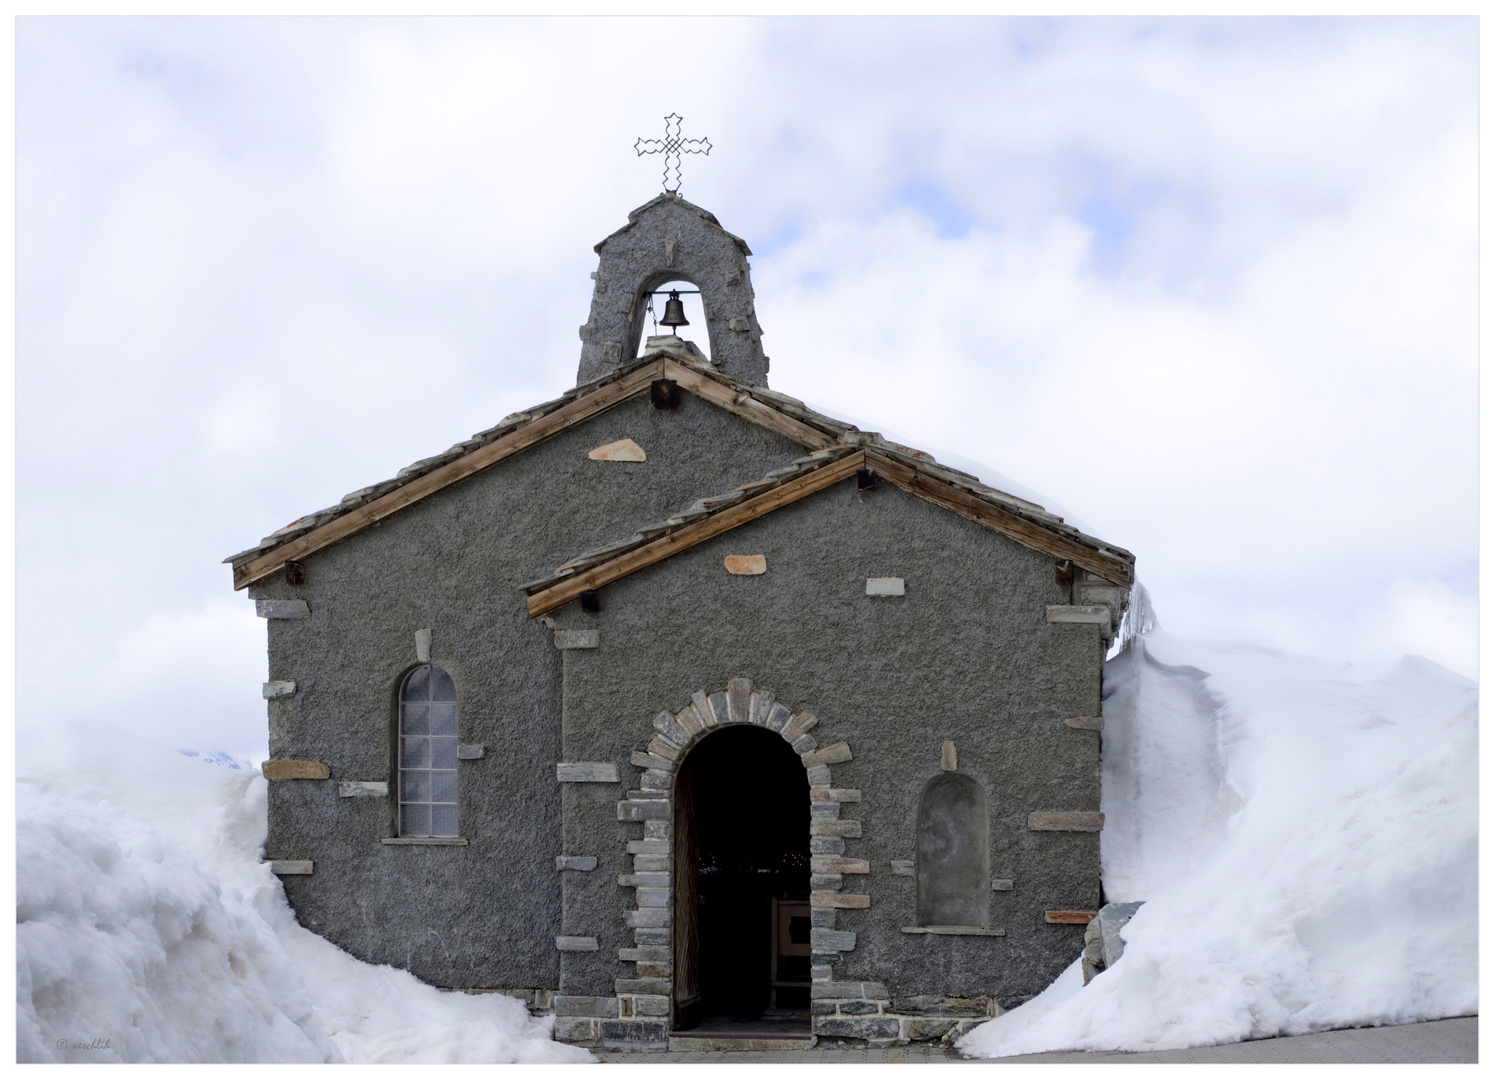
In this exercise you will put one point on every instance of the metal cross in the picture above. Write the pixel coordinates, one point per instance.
(672, 146)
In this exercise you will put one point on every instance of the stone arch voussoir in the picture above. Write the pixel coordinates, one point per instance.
(675, 734)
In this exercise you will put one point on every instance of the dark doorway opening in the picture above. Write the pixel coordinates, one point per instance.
(742, 883)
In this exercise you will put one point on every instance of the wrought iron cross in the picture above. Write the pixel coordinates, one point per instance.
(672, 146)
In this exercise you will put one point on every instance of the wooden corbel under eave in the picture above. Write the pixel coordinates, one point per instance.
(683, 539)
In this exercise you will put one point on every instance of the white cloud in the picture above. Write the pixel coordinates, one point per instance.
(1210, 284)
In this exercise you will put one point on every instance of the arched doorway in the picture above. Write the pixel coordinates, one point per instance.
(742, 880)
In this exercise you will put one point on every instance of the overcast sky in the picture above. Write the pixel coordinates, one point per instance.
(1208, 286)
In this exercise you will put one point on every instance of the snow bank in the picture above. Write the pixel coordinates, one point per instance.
(149, 930)
(1305, 836)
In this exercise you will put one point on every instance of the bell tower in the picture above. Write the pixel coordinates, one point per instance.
(669, 239)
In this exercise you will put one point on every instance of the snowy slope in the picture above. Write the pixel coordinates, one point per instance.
(145, 918)
(1305, 836)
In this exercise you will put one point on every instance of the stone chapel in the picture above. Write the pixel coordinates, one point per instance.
(685, 712)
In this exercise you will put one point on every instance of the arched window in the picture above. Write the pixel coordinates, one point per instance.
(428, 753)
(953, 860)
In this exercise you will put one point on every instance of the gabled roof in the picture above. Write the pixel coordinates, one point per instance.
(840, 443)
(713, 515)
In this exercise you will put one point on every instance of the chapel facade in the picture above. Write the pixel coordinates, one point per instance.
(686, 712)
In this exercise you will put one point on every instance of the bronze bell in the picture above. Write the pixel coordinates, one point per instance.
(674, 312)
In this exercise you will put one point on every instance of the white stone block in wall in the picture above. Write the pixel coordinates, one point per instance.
(1001, 884)
(281, 609)
(1097, 614)
(1066, 821)
(583, 863)
(903, 867)
(576, 639)
(290, 866)
(470, 751)
(884, 586)
(277, 688)
(423, 646)
(586, 772)
(363, 789)
(576, 944)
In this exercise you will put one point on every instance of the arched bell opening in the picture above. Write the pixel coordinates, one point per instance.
(742, 880)
(691, 300)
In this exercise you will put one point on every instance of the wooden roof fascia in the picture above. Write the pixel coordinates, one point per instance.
(340, 528)
(746, 406)
(689, 536)
(1031, 534)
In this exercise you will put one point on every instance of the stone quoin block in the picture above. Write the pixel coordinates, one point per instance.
(832, 940)
(819, 775)
(291, 866)
(281, 609)
(586, 772)
(648, 847)
(838, 864)
(644, 810)
(835, 828)
(580, 1005)
(827, 845)
(1066, 821)
(292, 769)
(576, 639)
(824, 811)
(647, 918)
(1085, 723)
(277, 688)
(1093, 614)
(363, 789)
(659, 987)
(652, 880)
(651, 863)
(839, 900)
(837, 795)
(884, 586)
(857, 1008)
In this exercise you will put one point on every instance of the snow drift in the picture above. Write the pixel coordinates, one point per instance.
(149, 930)
(1305, 837)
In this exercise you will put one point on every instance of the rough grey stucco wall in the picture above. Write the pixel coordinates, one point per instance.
(485, 914)
(668, 239)
(966, 655)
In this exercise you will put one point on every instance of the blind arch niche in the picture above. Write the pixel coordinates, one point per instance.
(952, 853)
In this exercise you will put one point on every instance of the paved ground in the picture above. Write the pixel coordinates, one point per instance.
(1455, 1040)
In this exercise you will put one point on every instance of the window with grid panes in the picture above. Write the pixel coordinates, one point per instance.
(428, 753)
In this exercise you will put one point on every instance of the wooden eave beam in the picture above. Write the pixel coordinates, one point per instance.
(1029, 533)
(746, 406)
(340, 528)
(687, 537)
